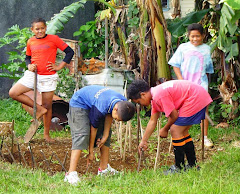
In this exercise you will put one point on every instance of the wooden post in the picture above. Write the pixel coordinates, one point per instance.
(138, 123)
(158, 146)
(202, 139)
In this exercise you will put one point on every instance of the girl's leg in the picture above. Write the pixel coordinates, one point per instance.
(17, 93)
(47, 98)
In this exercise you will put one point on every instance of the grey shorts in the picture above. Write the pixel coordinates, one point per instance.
(78, 120)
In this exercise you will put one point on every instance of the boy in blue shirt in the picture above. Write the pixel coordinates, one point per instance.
(91, 112)
(192, 61)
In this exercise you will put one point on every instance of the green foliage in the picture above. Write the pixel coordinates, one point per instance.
(179, 27)
(57, 22)
(234, 4)
(15, 39)
(133, 15)
(228, 32)
(66, 84)
(91, 42)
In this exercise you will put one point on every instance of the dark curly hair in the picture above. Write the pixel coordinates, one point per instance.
(36, 20)
(195, 26)
(126, 110)
(136, 87)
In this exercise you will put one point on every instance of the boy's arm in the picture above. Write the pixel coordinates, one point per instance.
(149, 130)
(107, 126)
(93, 133)
(69, 54)
(178, 73)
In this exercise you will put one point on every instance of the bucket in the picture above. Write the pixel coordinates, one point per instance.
(108, 78)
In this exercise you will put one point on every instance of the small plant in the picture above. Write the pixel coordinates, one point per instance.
(91, 41)
(66, 84)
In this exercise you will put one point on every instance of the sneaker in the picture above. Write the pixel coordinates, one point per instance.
(172, 170)
(207, 142)
(108, 171)
(72, 178)
(187, 167)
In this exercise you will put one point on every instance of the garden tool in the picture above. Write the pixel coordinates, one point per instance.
(36, 123)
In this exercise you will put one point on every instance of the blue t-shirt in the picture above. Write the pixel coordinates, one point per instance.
(194, 62)
(98, 100)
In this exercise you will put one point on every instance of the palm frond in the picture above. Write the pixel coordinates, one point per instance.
(56, 24)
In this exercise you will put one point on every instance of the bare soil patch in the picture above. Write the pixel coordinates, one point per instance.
(55, 157)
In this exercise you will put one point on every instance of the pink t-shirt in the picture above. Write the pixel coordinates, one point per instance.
(186, 97)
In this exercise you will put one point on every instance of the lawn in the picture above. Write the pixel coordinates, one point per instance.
(219, 173)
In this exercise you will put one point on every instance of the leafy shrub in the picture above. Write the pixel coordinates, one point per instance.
(16, 39)
(91, 42)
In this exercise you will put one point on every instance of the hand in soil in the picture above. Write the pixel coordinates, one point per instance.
(142, 146)
(90, 158)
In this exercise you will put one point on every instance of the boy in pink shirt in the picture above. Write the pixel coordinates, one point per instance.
(184, 103)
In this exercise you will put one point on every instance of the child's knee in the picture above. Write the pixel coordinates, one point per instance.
(12, 94)
(47, 105)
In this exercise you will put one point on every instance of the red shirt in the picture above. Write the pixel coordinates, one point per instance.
(186, 97)
(44, 50)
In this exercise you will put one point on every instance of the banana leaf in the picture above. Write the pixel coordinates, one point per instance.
(179, 28)
(56, 24)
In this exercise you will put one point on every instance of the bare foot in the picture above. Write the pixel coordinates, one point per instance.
(48, 139)
(41, 112)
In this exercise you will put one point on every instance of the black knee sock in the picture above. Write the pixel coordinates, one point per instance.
(190, 151)
(178, 147)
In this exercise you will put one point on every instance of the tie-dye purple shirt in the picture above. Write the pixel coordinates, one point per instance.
(194, 62)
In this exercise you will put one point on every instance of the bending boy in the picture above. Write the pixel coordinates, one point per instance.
(91, 112)
(192, 61)
(184, 103)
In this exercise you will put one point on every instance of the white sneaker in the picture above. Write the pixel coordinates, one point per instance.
(207, 142)
(108, 171)
(72, 178)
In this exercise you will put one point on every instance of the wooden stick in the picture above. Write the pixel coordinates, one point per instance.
(125, 142)
(130, 136)
(35, 96)
(158, 146)
(141, 128)
(120, 139)
(138, 123)
(202, 139)
(170, 146)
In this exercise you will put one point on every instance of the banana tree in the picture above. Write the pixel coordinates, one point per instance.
(155, 41)
(228, 43)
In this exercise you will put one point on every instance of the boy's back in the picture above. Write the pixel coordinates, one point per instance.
(98, 100)
(190, 98)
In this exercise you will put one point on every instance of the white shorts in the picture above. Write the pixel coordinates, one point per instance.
(45, 83)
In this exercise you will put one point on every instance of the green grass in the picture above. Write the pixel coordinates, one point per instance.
(12, 110)
(220, 174)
